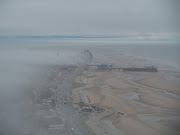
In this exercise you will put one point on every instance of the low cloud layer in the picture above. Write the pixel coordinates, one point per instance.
(22, 66)
(95, 17)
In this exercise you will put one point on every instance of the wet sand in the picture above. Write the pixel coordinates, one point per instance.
(135, 103)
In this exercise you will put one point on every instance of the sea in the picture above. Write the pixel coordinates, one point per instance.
(21, 60)
(14, 52)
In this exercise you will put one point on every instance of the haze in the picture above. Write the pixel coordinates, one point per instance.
(139, 19)
(85, 67)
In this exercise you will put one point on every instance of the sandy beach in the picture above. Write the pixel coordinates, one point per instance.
(135, 103)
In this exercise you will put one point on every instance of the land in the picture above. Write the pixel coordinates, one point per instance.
(46, 107)
(70, 99)
(114, 102)
(135, 103)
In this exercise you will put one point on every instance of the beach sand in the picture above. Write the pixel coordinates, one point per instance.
(135, 103)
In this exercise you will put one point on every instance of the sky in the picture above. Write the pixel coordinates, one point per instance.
(133, 19)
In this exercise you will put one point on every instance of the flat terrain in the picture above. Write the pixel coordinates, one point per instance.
(135, 103)
(124, 103)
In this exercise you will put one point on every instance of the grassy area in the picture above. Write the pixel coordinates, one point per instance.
(76, 85)
(83, 123)
(81, 74)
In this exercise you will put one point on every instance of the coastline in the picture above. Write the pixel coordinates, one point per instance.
(127, 105)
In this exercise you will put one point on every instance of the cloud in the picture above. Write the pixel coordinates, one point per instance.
(22, 17)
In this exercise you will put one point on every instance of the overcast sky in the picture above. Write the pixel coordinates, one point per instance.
(155, 18)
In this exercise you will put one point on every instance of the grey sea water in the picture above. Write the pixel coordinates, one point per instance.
(164, 55)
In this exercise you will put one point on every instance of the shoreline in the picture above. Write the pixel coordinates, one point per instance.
(106, 86)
